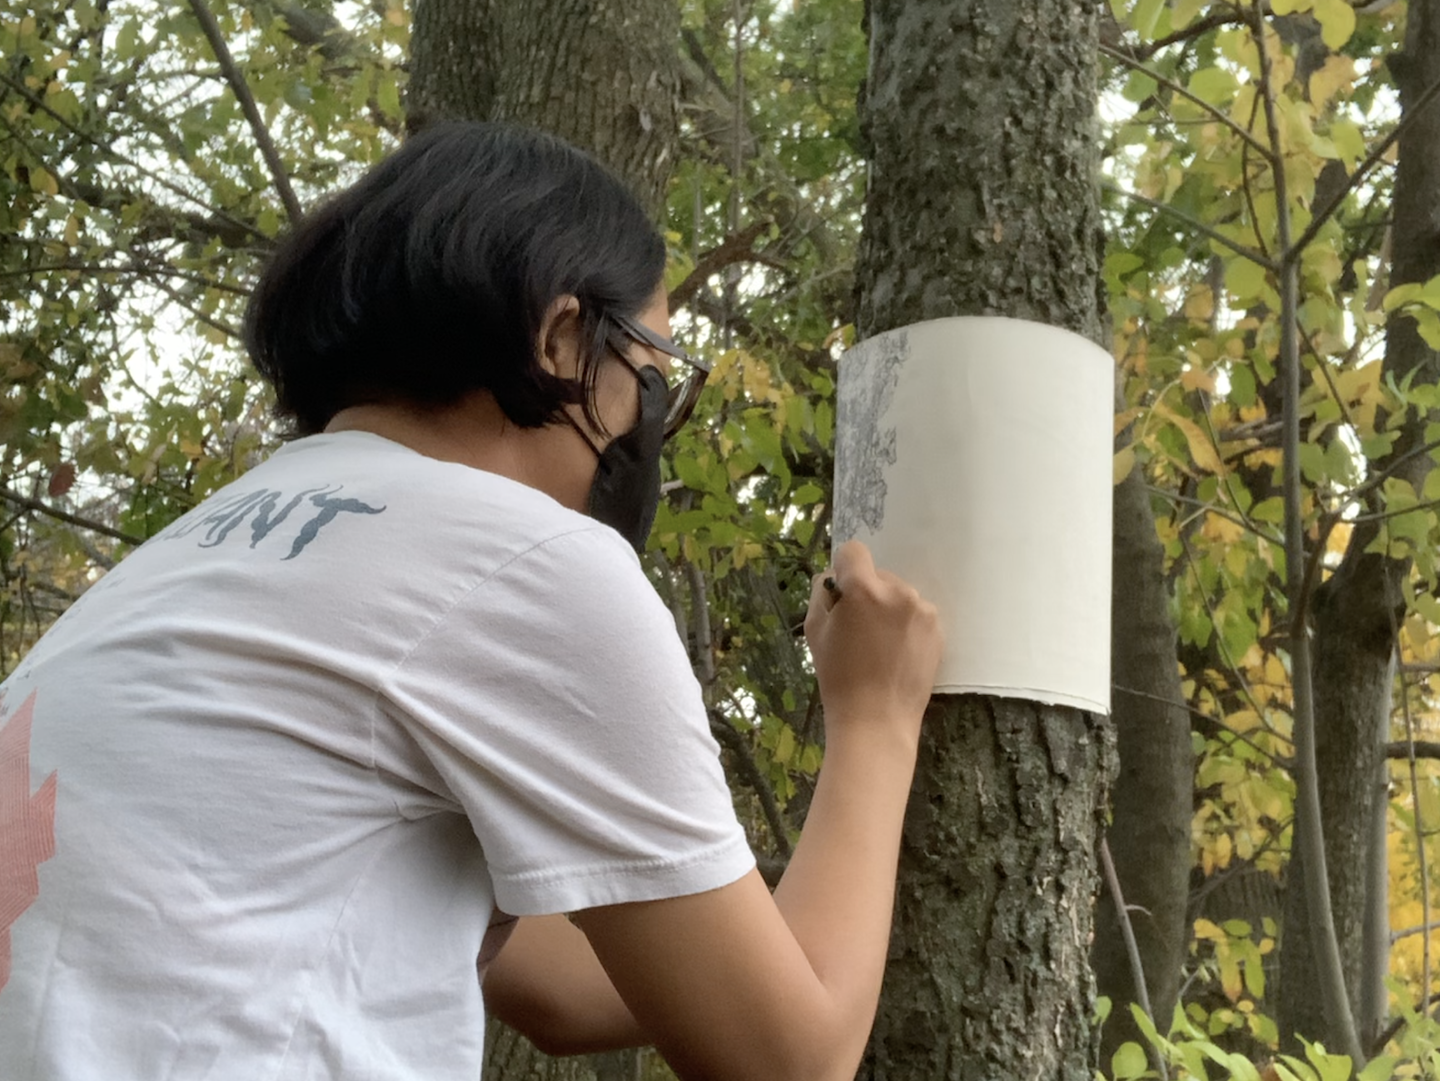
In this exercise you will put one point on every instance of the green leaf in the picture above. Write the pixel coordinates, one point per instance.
(1427, 321)
(1337, 22)
(1244, 279)
(1145, 16)
(1242, 385)
(1128, 1062)
(1379, 1069)
(1215, 85)
(1401, 294)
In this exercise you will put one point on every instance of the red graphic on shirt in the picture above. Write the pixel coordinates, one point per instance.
(27, 827)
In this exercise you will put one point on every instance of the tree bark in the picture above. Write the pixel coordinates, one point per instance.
(982, 200)
(1357, 610)
(1152, 799)
(602, 74)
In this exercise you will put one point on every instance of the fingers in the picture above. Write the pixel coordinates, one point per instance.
(852, 560)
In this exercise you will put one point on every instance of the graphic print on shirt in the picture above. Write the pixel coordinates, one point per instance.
(260, 507)
(27, 827)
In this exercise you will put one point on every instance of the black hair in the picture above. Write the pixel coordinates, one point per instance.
(430, 277)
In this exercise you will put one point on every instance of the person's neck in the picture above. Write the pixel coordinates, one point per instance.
(475, 432)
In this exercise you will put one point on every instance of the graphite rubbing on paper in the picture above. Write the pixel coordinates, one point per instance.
(869, 374)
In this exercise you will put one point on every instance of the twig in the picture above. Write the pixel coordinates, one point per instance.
(208, 320)
(1132, 950)
(106, 148)
(700, 608)
(1410, 932)
(1374, 481)
(238, 86)
(69, 519)
(1194, 30)
(1372, 159)
(1209, 508)
(138, 270)
(725, 733)
(1383, 515)
(737, 248)
(1195, 223)
(1245, 184)
(1215, 113)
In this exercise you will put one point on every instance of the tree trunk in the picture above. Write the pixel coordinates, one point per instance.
(1152, 799)
(982, 200)
(602, 74)
(1356, 611)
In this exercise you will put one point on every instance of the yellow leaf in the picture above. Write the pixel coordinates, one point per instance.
(1202, 451)
(1224, 849)
(1200, 305)
(1337, 22)
(1338, 72)
(1231, 981)
(1197, 379)
(1244, 720)
(1207, 930)
(1290, 7)
(72, 231)
(1124, 462)
(1223, 530)
(43, 182)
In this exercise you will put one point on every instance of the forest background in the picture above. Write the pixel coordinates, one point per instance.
(152, 152)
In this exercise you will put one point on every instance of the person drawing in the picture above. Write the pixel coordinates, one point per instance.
(296, 767)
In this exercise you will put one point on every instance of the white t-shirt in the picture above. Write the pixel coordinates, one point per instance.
(296, 752)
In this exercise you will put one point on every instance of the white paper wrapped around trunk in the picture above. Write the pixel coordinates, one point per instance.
(974, 457)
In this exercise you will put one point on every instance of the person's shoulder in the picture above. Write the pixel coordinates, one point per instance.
(437, 491)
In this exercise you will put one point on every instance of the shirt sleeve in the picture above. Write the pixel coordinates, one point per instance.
(557, 702)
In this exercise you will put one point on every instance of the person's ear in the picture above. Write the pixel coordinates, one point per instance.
(558, 343)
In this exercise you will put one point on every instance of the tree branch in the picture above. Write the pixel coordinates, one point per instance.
(69, 519)
(1371, 160)
(1199, 226)
(107, 149)
(725, 733)
(1308, 825)
(238, 86)
(1400, 751)
(1132, 950)
(736, 248)
(1215, 113)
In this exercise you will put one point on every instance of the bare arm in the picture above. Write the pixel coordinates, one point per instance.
(735, 984)
(547, 984)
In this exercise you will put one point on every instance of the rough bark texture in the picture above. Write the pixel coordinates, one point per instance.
(1355, 612)
(980, 122)
(988, 975)
(602, 74)
(982, 200)
(1151, 800)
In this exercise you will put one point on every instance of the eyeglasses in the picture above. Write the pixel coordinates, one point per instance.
(686, 379)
